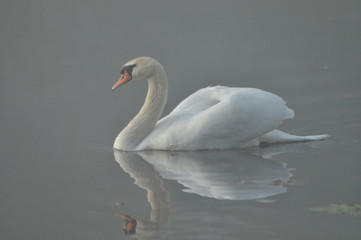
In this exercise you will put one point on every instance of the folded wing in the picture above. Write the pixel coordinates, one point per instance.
(217, 118)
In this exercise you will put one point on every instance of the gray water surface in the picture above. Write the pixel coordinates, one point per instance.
(61, 179)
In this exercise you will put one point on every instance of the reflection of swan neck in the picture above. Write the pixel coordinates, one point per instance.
(147, 178)
(144, 122)
(157, 196)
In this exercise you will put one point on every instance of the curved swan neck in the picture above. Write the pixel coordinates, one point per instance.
(144, 122)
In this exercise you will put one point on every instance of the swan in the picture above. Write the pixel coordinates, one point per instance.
(216, 117)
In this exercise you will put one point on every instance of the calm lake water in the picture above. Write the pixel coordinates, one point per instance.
(61, 179)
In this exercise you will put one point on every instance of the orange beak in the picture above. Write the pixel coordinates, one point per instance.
(124, 78)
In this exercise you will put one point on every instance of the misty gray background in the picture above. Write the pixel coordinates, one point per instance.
(59, 118)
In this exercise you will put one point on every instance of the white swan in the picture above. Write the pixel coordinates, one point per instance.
(211, 118)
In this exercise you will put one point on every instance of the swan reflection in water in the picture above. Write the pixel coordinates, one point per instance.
(233, 175)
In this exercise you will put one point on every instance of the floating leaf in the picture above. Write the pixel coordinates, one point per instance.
(342, 208)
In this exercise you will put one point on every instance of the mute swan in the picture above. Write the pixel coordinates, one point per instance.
(211, 118)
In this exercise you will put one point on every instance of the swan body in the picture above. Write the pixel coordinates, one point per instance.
(212, 118)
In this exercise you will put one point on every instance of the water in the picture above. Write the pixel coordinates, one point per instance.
(60, 178)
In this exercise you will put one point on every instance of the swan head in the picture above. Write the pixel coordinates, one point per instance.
(138, 68)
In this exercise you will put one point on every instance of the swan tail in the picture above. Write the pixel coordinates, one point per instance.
(277, 136)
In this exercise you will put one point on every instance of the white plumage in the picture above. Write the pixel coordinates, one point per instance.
(211, 118)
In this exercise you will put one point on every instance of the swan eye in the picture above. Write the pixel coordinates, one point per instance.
(128, 69)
